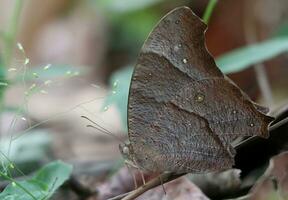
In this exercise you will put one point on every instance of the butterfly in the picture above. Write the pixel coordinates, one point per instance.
(183, 112)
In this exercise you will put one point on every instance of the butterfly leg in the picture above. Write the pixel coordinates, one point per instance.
(161, 180)
(132, 174)
(143, 178)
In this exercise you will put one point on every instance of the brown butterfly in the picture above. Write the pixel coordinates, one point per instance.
(183, 113)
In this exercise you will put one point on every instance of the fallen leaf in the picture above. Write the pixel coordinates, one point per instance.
(179, 189)
(274, 183)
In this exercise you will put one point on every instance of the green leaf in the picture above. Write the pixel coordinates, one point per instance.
(2, 35)
(26, 152)
(125, 17)
(126, 5)
(119, 94)
(243, 58)
(282, 30)
(127, 34)
(41, 186)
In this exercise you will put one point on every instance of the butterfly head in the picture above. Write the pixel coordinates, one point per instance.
(139, 160)
(126, 151)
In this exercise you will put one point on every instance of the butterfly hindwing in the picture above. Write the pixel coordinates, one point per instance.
(166, 138)
(172, 137)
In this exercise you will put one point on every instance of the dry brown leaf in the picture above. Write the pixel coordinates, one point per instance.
(274, 183)
(179, 189)
(122, 182)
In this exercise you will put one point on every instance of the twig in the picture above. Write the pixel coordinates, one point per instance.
(170, 176)
(246, 197)
(166, 177)
(119, 197)
(273, 127)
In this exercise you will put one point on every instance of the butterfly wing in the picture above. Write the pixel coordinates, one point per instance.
(183, 112)
(163, 136)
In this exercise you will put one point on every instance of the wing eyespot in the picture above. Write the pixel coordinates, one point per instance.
(199, 97)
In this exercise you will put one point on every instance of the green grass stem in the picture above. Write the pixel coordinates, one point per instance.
(209, 10)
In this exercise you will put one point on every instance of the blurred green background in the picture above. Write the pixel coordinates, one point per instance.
(60, 59)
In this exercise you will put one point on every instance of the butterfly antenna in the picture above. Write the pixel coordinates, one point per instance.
(102, 129)
(107, 133)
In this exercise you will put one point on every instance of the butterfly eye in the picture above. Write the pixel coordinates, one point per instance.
(125, 150)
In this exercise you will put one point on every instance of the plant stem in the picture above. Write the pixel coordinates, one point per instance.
(261, 74)
(12, 32)
(209, 10)
(18, 185)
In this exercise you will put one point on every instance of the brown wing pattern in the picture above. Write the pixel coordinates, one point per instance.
(227, 111)
(174, 139)
(179, 37)
(183, 112)
(166, 138)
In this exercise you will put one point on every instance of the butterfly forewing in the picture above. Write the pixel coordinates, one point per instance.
(179, 37)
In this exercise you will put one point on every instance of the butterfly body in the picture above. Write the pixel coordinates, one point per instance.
(183, 113)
